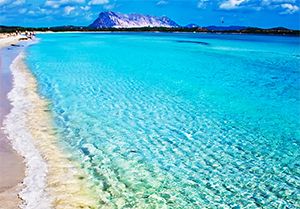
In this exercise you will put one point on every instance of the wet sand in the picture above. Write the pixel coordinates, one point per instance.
(52, 178)
(11, 164)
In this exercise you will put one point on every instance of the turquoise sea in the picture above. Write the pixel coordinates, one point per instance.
(166, 120)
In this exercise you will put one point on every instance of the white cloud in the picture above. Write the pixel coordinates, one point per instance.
(31, 12)
(45, 11)
(109, 6)
(68, 9)
(289, 8)
(22, 11)
(98, 2)
(19, 2)
(162, 2)
(89, 16)
(202, 4)
(269, 2)
(3, 2)
(16, 2)
(85, 8)
(35, 11)
(231, 4)
(52, 4)
(57, 3)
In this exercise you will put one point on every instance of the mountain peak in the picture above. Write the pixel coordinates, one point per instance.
(112, 19)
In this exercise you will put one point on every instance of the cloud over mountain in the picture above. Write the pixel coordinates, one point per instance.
(80, 12)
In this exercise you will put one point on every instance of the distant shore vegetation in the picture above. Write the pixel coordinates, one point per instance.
(246, 30)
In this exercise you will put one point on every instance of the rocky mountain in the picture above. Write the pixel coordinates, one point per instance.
(118, 20)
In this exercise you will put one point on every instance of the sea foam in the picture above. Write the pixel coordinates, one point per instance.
(33, 194)
(53, 179)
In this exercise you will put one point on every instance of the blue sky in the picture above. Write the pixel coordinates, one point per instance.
(261, 13)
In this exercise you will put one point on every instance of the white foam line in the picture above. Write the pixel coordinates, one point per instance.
(34, 193)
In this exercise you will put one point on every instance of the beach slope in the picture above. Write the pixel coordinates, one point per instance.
(11, 164)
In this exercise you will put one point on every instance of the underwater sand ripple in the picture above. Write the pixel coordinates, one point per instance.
(52, 179)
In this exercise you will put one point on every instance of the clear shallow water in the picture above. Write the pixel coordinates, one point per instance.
(178, 120)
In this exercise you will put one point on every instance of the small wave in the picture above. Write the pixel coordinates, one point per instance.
(34, 192)
(52, 179)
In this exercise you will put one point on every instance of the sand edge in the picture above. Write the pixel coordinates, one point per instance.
(52, 180)
(12, 163)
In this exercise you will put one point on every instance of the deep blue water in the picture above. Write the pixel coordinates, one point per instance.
(177, 120)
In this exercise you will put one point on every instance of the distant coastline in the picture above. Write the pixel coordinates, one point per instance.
(216, 29)
(117, 22)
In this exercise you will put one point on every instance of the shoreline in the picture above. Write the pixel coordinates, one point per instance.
(175, 32)
(11, 163)
(15, 128)
(52, 179)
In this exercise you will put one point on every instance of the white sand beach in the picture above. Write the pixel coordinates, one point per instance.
(51, 179)
(6, 40)
(11, 163)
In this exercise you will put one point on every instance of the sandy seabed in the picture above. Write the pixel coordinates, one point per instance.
(52, 179)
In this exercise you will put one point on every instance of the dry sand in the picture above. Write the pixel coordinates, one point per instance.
(11, 164)
(6, 41)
